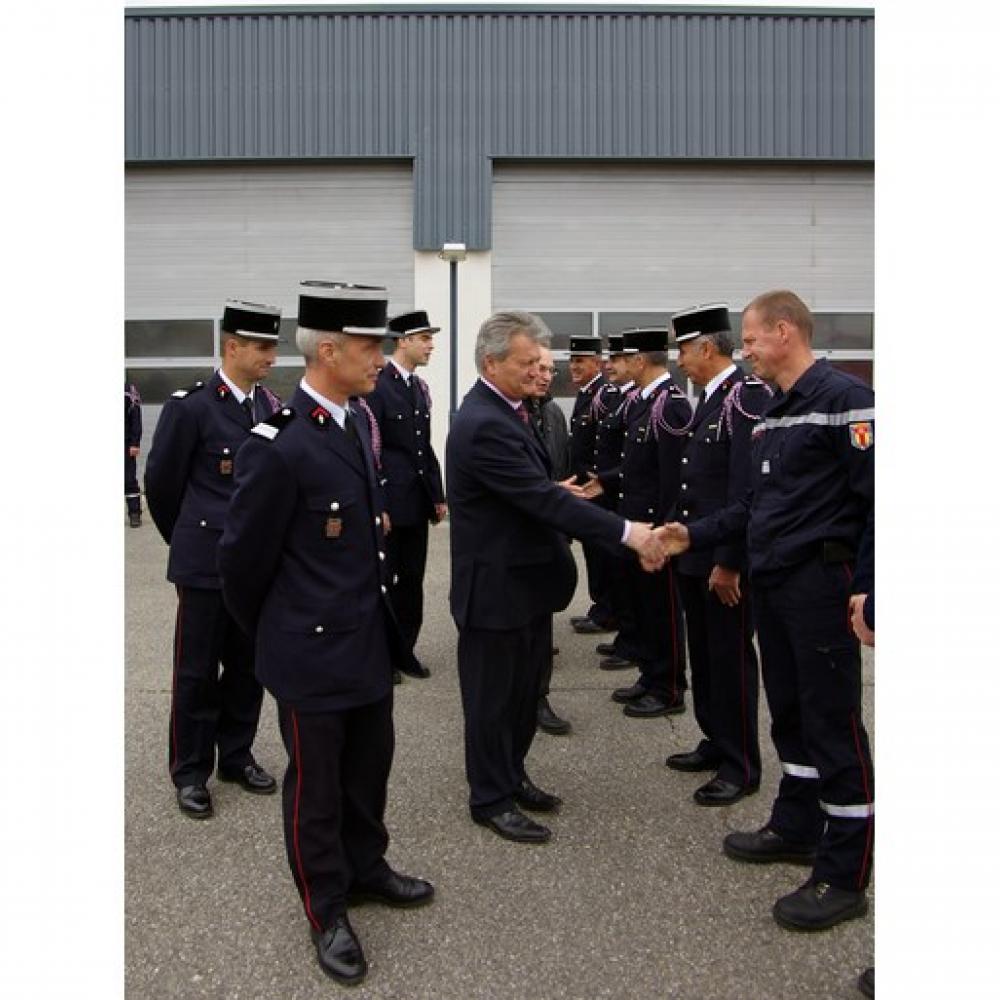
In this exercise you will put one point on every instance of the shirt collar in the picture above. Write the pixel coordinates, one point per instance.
(402, 371)
(337, 412)
(718, 380)
(648, 391)
(235, 389)
(514, 404)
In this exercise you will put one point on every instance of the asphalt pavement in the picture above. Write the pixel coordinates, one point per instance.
(632, 898)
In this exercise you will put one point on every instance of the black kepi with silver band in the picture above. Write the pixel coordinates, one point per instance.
(589, 346)
(615, 344)
(698, 321)
(643, 339)
(251, 319)
(340, 307)
(408, 324)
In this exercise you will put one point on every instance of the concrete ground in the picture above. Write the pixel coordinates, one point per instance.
(632, 898)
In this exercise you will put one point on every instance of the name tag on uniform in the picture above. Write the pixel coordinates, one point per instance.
(225, 467)
(765, 467)
(334, 526)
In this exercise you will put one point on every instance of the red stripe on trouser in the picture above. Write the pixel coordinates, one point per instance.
(178, 640)
(673, 633)
(743, 689)
(868, 798)
(295, 824)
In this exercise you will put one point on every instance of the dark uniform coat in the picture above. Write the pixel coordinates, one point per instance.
(583, 427)
(302, 561)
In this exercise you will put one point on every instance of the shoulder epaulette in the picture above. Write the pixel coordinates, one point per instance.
(275, 424)
(181, 393)
(676, 391)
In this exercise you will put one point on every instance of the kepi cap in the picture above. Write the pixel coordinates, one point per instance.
(615, 343)
(645, 338)
(251, 319)
(408, 324)
(341, 307)
(700, 320)
(586, 345)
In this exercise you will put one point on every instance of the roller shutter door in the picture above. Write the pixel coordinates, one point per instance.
(662, 236)
(195, 236)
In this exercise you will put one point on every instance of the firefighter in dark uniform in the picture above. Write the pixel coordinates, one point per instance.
(133, 438)
(656, 425)
(303, 568)
(715, 470)
(189, 481)
(585, 372)
(807, 513)
(414, 493)
(609, 449)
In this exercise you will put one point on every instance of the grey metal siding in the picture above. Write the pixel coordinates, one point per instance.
(454, 90)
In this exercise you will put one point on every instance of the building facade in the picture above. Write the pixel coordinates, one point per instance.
(604, 167)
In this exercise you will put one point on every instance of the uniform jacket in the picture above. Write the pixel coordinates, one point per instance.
(189, 473)
(715, 466)
(510, 561)
(133, 417)
(651, 463)
(551, 426)
(609, 441)
(583, 428)
(302, 561)
(812, 477)
(410, 467)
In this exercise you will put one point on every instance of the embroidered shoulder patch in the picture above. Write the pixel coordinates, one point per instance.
(862, 435)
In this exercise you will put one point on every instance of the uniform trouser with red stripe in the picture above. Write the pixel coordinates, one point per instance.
(406, 548)
(132, 494)
(625, 642)
(597, 559)
(499, 673)
(724, 678)
(659, 635)
(811, 664)
(333, 801)
(209, 709)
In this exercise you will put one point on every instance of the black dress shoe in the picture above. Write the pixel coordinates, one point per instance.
(195, 801)
(339, 952)
(693, 761)
(530, 796)
(866, 981)
(719, 792)
(514, 825)
(624, 695)
(606, 649)
(393, 889)
(397, 677)
(615, 663)
(764, 845)
(650, 707)
(419, 670)
(817, 906)
(253, 778)
(589, 627)
(548, 721)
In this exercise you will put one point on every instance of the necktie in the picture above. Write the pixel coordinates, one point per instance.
(247, 405)
(522, 414)
(351, 430)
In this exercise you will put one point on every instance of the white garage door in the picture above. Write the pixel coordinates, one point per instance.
(663, 236)
(195, 236)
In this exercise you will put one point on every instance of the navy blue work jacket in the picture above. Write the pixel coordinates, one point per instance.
(189, 473)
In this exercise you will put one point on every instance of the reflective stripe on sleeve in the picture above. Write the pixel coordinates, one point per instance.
(817, 419)
(862, 811)
(799, 770)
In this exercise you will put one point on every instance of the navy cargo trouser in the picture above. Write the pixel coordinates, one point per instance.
(811, 666)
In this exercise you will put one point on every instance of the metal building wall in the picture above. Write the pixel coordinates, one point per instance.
(452, 90)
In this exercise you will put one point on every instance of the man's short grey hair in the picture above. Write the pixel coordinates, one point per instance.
(493, 340)
(656, 358)
(723, 341)
(308, 341)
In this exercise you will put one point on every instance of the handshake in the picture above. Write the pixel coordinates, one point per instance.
(656, 545)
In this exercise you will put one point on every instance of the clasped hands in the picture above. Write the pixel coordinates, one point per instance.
(655, 546)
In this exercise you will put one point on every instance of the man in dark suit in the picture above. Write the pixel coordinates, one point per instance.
(303, 569)
(585, 370)
(189, 482)
(715, 592)
(511, 568)
(401, 403)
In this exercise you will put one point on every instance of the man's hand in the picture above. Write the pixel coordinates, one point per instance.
(726, 585)
(133, 451)
(643, 540)
(861, 630)
(440, 511)
(386, 523)
(570, 486)
(674, 538)
(592, 488)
